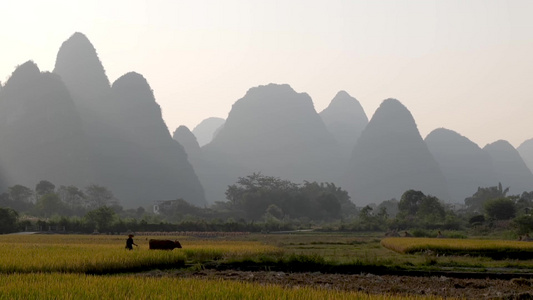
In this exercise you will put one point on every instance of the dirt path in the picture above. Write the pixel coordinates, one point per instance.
(373, 284)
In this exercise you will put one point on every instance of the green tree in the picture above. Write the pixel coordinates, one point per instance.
(98, 196)
(382, 214)
(44, 187)
(101, 218)
(500, 208)
(391, 207)
(524, 204)
(275, 211)
(431, 209)
(366, 213)
(330, 205)
(417, 209)
(21, 197)
(50, 204)
(327, 201)
(254, 193)
(482, 195)
(20, 193)
(410, 202)
(523, 224)
(8, 220)
(73, 197)
(176, 210)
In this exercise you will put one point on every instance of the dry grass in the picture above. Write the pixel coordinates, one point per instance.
(106, 254)
(477, 247)
(79, 286)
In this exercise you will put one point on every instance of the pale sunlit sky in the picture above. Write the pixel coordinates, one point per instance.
(463, 65)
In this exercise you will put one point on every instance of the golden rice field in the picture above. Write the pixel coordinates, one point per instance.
(106, 254)
(516, 249)
(56, 267)
(80, 286)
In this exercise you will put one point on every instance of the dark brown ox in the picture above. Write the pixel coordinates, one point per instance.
(163, 244)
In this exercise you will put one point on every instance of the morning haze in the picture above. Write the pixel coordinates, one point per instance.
(76, 127)
(199, 57)
(352, 147)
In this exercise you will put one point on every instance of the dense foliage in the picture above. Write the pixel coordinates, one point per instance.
(8, 220)
(482, 195)
(262, 203)
(500, 208)
(258, 195)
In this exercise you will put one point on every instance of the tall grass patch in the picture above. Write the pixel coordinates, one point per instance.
(106, 254)
(80, 286)
(495, 249)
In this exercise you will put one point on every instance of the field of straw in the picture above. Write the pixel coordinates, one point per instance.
(98, 267)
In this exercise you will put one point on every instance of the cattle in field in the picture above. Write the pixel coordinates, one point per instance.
(163, 244)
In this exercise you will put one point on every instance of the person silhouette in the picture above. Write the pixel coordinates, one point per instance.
(130, 243)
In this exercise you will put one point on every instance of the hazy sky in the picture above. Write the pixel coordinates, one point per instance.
(462, 65)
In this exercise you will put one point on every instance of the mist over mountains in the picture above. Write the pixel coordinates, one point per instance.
(41, 132)
(273, 130)
(526, 152)
(207, 129)
(72, 127)
(463, 163)
(188, 140)
(387, 155)
(391, 157)
(509, 167)
(345, 118)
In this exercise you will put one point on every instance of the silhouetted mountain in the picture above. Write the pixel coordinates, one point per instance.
(345, 119)
(187, 139)
(206, 130)
(41, 135)
(131, 148)
(526, 152)
(510, 168)
(272, 130)
(82, 72)
(142, 161)
(390, 158)
(464, 164)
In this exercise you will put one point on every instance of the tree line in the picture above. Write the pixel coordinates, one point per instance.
(262, 203)
(46, 201)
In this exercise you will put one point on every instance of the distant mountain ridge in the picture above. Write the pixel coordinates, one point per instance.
(390, 158)
(464, 164)
(186, 138)
(206, 130)
(41, 134)
(111, 136)
(273, 130)
(345, 118)
(73, 127)
(526, 152)
(510, 168)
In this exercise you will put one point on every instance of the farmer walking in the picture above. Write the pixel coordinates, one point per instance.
(130, 243)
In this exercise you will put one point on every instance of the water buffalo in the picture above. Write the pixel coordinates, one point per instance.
(163, 244)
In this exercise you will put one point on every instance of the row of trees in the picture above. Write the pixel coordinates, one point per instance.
(497, 205)
(270, 199)
(268, 202)
(487, 207)
(106, 220)
(414, 210)
(46, 201)
(80, 210)
(258, 196)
